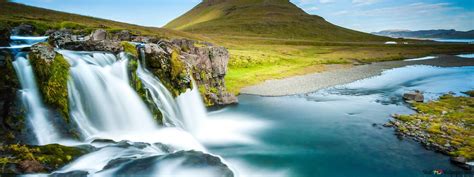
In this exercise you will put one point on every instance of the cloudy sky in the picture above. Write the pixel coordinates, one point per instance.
(363, 15)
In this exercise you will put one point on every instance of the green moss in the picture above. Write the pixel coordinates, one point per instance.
(52, 77)
(129, 48)
(177, 66)
(447, 120)
(138, 86)
(51, 156)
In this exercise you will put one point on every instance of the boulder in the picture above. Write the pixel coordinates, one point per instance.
(90, 45)
(43, 51)
(23, 30)
(414, 96)
(60, 37)
(31, 166)
(99, 35)
(460, 162)
(123, 35)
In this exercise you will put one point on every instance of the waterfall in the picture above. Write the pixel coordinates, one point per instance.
(161, 97)
(102, 102)
(103, 105)
(36, 112)
(192, 108)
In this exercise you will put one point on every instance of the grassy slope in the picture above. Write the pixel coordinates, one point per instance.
(271, 39)
(263, 18)
(43, 19)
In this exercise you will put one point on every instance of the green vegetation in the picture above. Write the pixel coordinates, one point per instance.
(273, 39)
(446, 123)
(52, 77)
(254, 63)
(129, 48)
(177, 66)
(15, 14)
(48, 157)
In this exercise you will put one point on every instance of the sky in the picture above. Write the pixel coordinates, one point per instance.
(362, 15)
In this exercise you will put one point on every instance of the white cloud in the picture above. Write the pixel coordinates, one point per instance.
(364, 2)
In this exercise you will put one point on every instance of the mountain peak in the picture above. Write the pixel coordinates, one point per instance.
(261, 18)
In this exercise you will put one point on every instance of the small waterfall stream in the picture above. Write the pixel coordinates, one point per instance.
(36, 112)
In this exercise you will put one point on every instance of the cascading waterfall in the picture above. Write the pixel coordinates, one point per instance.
(36, 111)
(102, 102)
(103, 105)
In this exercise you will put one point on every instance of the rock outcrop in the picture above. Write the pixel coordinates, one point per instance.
(52, 73)
(414, 96)
(209, 65)
(175, 62)
(23, 30)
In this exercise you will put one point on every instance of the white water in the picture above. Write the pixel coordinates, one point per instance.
(36, 112)
(104, 106)
(102, 102)
(422, 58)
(471, 55)
(161, 97)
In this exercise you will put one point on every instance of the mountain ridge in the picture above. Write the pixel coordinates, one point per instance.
(435, 33)
(262, 18)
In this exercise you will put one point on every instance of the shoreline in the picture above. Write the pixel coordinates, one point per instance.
(317, 81)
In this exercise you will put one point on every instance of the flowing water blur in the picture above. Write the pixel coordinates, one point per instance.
(332, 132)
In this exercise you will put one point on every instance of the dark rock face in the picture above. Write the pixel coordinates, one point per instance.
(23, 30)
(105, 45)
(414, 96)
(11, 112)
(60, 37)
(4, 35)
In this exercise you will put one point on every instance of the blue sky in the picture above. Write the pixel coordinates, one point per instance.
(363, 15)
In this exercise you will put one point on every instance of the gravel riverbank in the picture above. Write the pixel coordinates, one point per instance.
(313, 82)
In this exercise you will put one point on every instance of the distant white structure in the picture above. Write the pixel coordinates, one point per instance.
(390, 42)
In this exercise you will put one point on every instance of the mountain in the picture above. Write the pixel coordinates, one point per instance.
(263, 19)
(14, 13)
(444, 34)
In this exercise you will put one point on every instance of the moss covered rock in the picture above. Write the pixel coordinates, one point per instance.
(445, 125)
(164, 62)
(21, 159)
(52, 73)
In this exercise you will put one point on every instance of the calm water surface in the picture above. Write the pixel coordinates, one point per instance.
(330, 133)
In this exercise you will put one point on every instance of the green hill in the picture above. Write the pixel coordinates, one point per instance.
(279, 19)
(43, 19)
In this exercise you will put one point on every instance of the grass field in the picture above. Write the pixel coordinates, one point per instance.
(253, 64)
